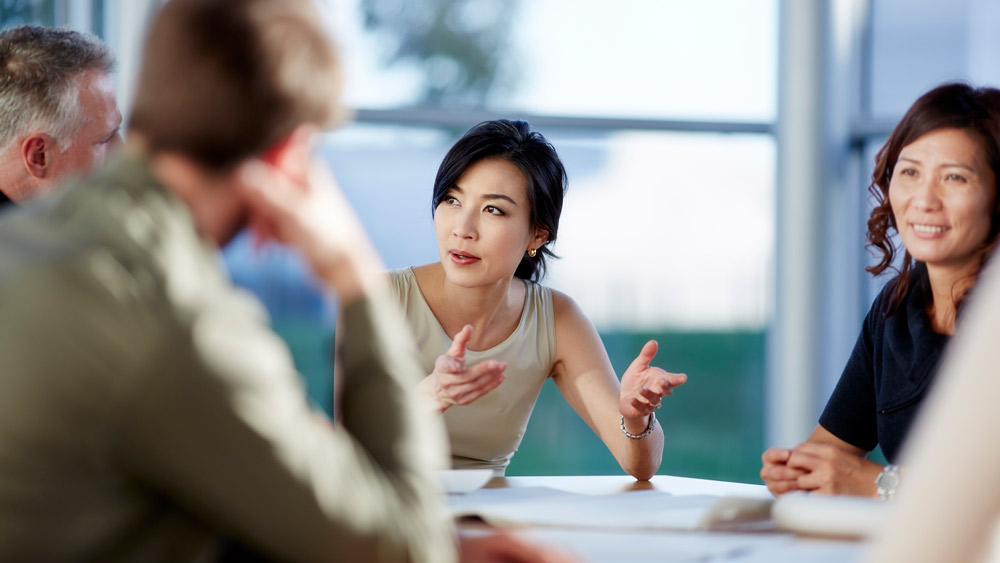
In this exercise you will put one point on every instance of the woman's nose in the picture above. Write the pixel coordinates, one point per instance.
(927, 196)
(465, 224)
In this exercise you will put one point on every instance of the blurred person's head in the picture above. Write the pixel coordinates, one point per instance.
(226, 81)
(935, 183)
(503, 149)
(58, 113)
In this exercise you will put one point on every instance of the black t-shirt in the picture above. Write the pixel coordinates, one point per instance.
(888, 374)
(5, 201)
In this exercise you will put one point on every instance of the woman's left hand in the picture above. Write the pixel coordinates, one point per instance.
(644, 386)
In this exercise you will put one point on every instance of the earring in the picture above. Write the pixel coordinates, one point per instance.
(532, 253)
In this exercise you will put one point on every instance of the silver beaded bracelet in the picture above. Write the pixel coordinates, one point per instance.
(649, 428)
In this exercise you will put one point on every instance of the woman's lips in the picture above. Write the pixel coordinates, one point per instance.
(462, 258)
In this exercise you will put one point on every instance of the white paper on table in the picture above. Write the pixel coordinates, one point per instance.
(625, 546)
(635, 510)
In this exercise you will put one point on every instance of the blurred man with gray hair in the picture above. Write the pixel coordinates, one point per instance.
(58, 113)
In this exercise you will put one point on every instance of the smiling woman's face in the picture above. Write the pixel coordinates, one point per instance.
(942, 194)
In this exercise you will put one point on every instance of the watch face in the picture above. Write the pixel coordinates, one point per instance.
(888, 480)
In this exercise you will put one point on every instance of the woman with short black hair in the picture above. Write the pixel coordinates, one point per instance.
(489, 334)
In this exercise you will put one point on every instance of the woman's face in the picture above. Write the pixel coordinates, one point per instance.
(942, 195)
(483, 224)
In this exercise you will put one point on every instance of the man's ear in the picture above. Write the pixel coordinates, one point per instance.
(292, 154)
(36, 154)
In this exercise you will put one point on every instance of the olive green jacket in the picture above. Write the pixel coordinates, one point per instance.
(148, 413)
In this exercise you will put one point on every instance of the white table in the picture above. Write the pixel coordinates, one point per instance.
(614, 545)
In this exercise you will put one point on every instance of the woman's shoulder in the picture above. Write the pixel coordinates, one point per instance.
(400, 280)
(400, 273)
(565, 309)
(412, 275)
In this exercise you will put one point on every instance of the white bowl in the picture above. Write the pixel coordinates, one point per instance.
(464, 480)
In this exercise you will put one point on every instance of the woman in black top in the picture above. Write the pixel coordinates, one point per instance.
(935, 182)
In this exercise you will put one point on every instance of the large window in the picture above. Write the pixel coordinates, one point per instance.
(662, 112)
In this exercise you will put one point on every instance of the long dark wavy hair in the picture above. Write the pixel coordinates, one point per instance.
(949, 106)
(534, 156)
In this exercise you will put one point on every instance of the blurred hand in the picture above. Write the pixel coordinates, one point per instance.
(832, 470)
(507, 548)
(776, 474)
(452, 384)
(309, 212)
(644, 386)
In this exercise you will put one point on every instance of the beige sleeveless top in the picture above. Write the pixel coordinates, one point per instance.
(486, 432)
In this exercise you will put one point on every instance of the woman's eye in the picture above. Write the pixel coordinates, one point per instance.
(908, 172)
(449, 200)
(493, 210)
(956, 178)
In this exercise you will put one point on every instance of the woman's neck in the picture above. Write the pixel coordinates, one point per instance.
(948, 284)
(494, 311)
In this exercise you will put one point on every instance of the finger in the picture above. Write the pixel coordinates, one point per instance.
(804, 461)
(660, 384)
(485, 367)
(781, 473)
(262, 184)
(482, 388)
(270, 196)
(782, 487)
(461, 339)
(655, 380)
(676, 379)
(456, 384)
(815, 481)
(776, 455)
(652, 397)
(641, 407)
(645, 356)
(467, 392)
(445, 364)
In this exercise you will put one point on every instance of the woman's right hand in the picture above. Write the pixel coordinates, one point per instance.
(452, 383)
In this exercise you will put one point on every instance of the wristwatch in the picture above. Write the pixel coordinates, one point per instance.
(887, 481)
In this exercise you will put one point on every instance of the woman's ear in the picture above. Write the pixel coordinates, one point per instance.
(540, 237)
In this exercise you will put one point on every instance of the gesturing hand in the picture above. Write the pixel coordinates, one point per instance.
(452, 383)
(643, 386)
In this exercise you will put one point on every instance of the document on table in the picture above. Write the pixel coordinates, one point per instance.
(635, 510)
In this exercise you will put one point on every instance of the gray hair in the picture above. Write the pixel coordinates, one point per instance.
(39, 72)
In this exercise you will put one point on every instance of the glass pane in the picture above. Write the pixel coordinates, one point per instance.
(17, 12)
(918, 44)
(641, 58)
(686, 219)
(663, 235)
